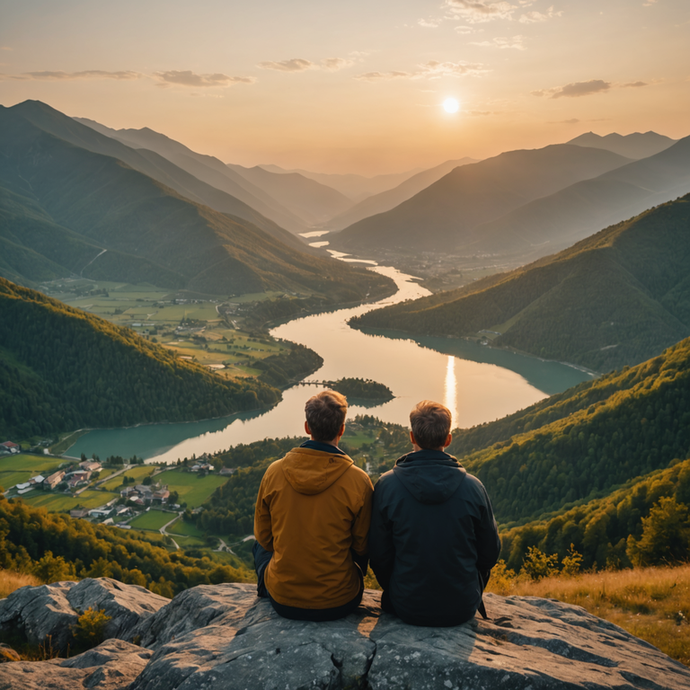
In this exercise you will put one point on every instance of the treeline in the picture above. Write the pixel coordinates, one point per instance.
(365, 389)
(54, 546)
(637, 429)
(645, 523)
(616, 298)
(284, 368)
(63, 369)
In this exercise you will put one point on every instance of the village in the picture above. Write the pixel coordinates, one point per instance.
(124, 493)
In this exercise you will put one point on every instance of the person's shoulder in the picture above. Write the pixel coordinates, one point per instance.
(473, 485)
(359, 476)
(275, 468)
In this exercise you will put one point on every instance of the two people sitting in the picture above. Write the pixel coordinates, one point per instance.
(427, 526)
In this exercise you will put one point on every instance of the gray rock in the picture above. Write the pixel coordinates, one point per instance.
(39, 615)
(47, 614)
(215, 637)
(127, 605)
(111, 666)
(196, 608)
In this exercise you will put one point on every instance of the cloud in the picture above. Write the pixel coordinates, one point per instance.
(533, 17)
(434, 69)
(5, 48)
(336, 63)
(635, 84)
(515, 42)
(382, 76)
(576, 89)
(189, 78)
(71, 76)
(572, 121)
(480, 11)
(293, 65)
(429, 70)
(429, 24)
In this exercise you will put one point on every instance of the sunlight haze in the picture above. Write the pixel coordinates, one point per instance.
(351, 87)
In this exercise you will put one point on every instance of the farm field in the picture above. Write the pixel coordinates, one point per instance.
(152, 520)
(191, 327)
(19, 468)
(136, 472)
(56, 503)
(192, 489)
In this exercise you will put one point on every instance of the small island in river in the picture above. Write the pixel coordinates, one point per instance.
(362, 389)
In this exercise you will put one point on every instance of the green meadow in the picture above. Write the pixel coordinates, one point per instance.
(57, 502)
(152, 520)
(192, 489)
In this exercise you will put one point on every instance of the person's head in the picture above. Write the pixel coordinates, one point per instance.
(430, 422)
(325, 413)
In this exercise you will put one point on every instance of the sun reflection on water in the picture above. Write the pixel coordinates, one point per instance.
(451, 391)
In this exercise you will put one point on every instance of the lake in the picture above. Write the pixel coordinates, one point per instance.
(477, 383)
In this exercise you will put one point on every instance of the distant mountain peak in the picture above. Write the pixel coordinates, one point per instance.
(636, 145)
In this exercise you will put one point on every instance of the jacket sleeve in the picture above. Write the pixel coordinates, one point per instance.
(360, 525)
(381, 548)
(488, 541)
(263, 531)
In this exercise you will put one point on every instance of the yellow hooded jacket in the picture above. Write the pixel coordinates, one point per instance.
(312, 508)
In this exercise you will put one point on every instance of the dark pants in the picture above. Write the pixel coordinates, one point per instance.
(261, 560)
(387, 604)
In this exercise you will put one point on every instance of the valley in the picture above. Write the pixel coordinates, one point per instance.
(169, 308)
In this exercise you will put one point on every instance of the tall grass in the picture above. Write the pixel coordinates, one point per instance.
(650, 603)
(9, 581)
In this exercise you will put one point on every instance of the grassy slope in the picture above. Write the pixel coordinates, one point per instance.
(616, 298)
(651, 603)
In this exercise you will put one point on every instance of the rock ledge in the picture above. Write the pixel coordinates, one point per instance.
(223, 637)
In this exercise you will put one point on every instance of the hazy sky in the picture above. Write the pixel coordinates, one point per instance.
(354, 86)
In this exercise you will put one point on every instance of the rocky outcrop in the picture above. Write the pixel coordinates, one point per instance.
(223, 637)
(47, 614)
(113, 665)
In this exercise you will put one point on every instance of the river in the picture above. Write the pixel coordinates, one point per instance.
(478, 384)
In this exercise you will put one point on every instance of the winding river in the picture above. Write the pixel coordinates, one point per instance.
(478, 384)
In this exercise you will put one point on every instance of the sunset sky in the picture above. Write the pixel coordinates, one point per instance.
(354, 86)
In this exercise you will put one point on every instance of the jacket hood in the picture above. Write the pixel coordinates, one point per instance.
(431, 476)
(311, 471)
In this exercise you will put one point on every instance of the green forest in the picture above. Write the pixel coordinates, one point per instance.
(56, 547)
(62, 369)
(616, 298)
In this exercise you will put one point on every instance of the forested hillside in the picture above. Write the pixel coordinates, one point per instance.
(617, 531)
(63, 369)
(616, 298)
(56, 547)
(640, 423)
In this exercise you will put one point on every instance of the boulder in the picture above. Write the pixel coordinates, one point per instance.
(110, 666)
(47, 614)
(224, 637)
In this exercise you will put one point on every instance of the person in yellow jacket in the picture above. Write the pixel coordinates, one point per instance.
(312, 520)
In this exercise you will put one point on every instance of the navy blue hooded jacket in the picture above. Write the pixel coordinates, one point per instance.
(432, 533)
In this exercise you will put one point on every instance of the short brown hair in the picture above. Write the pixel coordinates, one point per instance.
(325, 414)
(430, 422)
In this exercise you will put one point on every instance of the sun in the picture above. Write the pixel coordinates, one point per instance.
(450, 105)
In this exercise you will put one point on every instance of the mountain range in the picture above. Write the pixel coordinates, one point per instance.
(74, 201)
(637, 145)
(615, 298)
(443, 216)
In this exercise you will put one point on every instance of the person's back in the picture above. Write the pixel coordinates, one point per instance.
(433, 537)
(311, 522)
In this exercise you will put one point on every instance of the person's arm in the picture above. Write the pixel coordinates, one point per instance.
(381, 548)
(263, 532)
(360, 529)
(488, 541)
